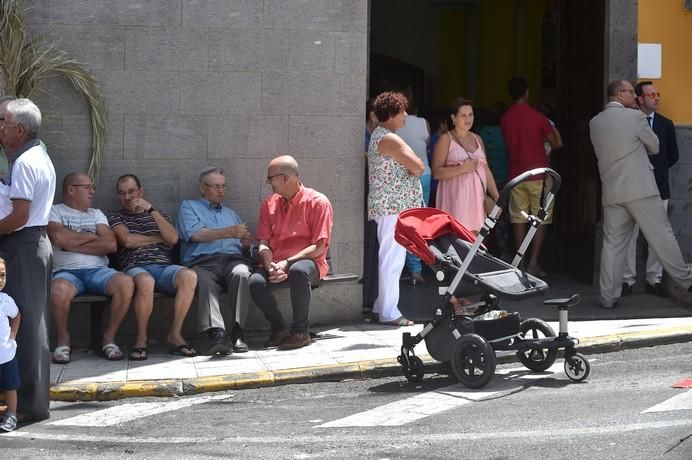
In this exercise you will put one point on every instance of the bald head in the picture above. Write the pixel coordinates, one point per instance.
(284, 164)
(74, 178)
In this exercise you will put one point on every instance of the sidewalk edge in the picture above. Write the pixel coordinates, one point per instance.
(354, 370)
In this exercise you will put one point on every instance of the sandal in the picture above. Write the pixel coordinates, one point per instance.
(61, 354)
(183, 350)
(138, 354)
(400, 321)
(112, 352)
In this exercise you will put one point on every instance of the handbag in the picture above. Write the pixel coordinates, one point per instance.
(488, 202)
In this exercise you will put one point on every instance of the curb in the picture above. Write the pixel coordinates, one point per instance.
(330, 373)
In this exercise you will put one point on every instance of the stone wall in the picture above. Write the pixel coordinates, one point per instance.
(680, 203)
(191, 83)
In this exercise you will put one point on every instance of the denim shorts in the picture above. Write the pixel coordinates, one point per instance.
(9, 375)
(163, 274)
(93, 280)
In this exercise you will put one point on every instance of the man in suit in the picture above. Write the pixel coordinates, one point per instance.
(648, 99)
(622, 141)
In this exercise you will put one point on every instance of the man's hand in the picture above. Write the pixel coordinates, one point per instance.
(276, 273)
(140, 204)
(239, 231)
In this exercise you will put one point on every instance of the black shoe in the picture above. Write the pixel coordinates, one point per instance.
(238, 340)
(219, 342)
(626, 289)
(656, 289)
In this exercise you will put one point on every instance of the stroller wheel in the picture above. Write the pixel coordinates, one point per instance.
(473, 361)
(415, 371)
(577, 367)
(535, 358)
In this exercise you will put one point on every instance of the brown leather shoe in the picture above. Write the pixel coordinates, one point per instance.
(276, 338)
(295, 340)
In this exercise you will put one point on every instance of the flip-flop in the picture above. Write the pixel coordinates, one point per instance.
(183, 350)
(61, 354)
(112, 352)
(400, 321)
(138, 354)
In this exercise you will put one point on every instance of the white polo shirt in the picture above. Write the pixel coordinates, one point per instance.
(8, 346)
(33, 179)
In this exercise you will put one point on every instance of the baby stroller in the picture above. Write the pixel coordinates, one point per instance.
(468, 341)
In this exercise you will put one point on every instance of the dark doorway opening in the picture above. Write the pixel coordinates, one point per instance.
(470, 48)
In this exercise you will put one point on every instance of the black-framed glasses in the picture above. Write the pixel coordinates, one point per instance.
(216, 186)
(87, 186)
(269, 178)
(131, 191)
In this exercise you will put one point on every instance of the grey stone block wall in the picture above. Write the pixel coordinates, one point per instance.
(680, 203)
(190, 83)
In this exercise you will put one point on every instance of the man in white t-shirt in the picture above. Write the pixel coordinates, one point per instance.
(24, 245)
(81, 239)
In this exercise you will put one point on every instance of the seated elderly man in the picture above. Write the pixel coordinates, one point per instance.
(294, 231)
(145, 238)
(213, 239)
(81, 239)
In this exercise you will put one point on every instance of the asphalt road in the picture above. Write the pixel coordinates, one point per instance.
(627, 409)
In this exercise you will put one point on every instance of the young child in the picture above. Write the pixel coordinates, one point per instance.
(9, 371)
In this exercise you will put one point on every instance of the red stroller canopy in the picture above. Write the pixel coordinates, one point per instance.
(416, 226)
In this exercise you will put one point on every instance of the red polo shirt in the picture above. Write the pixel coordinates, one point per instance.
(525, 129)
(291, 226)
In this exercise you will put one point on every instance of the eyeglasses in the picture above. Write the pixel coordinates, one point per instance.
(270, 178)
(216, 186)
(7, 125)
(87, 186)
(652, 95)
(131, 191)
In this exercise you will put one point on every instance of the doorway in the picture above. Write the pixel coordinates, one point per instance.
(449, 48)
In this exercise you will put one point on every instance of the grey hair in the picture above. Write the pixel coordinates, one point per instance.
(209, 170)
(25, 113)
(7, 98)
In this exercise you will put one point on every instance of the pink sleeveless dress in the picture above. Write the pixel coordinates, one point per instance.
(463, 196)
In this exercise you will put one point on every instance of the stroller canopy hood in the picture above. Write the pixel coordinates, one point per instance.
(416, 226)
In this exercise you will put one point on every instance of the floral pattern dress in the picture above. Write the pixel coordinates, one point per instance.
(392, 188)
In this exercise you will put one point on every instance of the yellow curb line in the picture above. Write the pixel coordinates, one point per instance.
(334, 372)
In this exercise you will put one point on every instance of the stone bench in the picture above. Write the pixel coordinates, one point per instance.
(98, 304)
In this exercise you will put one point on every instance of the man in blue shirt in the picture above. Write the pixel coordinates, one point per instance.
(213, 239)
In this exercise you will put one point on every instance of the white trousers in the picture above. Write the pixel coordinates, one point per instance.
(654, 269)
(391, 259)
(618, 224)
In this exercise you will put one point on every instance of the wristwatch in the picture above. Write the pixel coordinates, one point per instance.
(151, 209)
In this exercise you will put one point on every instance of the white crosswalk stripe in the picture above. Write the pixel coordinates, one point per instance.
(123, 413)
(682, 401)
(434, 402)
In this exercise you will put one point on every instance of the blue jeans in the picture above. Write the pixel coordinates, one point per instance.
(413, 263)
(93, 280)
(163, 274)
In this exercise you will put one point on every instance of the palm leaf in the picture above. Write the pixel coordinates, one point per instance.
(25, 63)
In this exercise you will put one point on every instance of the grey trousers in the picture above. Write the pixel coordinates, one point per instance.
(29, 257)
(216, 273)
(618, 225)
(301, 277)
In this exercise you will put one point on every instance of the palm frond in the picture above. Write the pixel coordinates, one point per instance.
(25, 63)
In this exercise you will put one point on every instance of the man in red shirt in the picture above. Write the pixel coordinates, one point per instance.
(526, 130)
(294, 232)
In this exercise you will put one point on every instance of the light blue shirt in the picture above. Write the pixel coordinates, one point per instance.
(195, 215)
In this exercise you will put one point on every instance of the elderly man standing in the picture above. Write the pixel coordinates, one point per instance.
(294, 232)
(622, 140)
(25, 246)
(213, 240)
(145, 238)
(81, 241)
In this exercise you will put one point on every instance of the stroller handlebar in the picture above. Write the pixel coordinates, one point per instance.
(504, 194)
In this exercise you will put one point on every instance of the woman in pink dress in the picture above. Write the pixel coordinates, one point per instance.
(460, 166)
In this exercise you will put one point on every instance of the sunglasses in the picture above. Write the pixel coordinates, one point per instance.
(652, 95)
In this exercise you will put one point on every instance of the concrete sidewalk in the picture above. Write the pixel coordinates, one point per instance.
(361, 350)
(353, 351)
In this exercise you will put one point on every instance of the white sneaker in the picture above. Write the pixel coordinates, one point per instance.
(9, 423)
